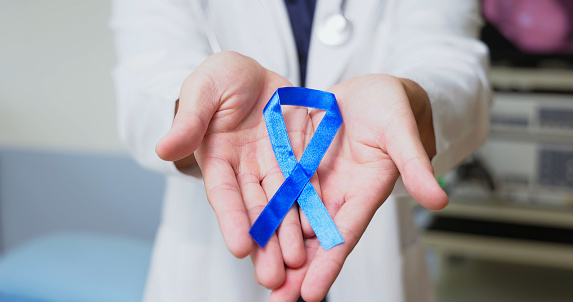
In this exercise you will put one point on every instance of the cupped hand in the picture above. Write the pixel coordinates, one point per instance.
(378, 141)
(219, 120)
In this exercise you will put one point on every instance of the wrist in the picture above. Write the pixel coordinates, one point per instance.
(422, 109)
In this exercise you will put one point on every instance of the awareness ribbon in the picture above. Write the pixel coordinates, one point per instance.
(298, 174)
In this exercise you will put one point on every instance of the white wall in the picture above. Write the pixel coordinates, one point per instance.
(55, 87)
(61, 164)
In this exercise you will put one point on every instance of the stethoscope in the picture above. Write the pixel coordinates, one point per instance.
(335, 29)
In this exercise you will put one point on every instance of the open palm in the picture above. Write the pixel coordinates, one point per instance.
(377, 143)
(220, 120)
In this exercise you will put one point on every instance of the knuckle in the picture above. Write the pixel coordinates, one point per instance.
(255, 210)
(333, 261)
(223, 188)
(275, 171)
(248, 177)
(289, 224)
(349, 235)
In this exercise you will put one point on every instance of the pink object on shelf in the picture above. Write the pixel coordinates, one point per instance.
(536, 26)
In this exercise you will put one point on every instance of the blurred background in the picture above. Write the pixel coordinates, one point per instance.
(507, 234)
(76, 212)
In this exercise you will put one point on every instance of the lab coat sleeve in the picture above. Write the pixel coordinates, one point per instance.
(158, 44)
(434, 43)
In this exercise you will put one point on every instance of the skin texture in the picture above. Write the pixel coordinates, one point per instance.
(218, 119)
(387, 132)
(378, 141)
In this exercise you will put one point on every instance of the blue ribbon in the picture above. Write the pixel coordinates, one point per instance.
(298, 174)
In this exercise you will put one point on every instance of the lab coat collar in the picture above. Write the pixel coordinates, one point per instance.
(327, 64)
(279, 13)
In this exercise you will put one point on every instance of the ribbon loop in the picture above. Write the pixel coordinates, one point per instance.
(297, 185)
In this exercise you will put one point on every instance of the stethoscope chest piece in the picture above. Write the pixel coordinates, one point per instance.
(335, 30)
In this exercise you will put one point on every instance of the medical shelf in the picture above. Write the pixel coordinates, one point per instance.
(468, 230)
(531, 78)
(497, 210)
(500, 249)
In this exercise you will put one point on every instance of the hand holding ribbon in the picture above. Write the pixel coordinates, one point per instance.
(219, 120)
(379, 141)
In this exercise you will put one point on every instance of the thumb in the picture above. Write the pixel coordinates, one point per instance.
(402, 142)
(198, 101)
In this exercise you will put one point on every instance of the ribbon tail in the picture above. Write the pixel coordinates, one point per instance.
(318, 217)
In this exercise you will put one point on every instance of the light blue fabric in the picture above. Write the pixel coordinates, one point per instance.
(83, 267)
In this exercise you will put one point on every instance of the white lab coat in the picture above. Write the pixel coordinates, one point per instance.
(160, 42)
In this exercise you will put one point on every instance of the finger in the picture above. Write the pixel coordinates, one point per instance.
(290, 239)
(225, 198)
(299, 127)
(351, 220)
(269, 265)
(307, 230)
(305, 135)
(289, 231)
(198, 101)
(333, 175)
(268, 261)
(290, 289)
(403, 144)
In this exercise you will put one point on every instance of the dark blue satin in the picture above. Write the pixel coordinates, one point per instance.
(298, 174)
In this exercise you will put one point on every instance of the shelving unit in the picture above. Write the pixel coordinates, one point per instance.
(529, 156)
(529, 252)
(496, 210)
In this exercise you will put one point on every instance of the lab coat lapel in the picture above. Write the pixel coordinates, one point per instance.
(277, 10)
(328, 64)
(258, 29)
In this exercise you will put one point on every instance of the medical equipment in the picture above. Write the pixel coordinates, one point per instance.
(335, 29)
(530, 150)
